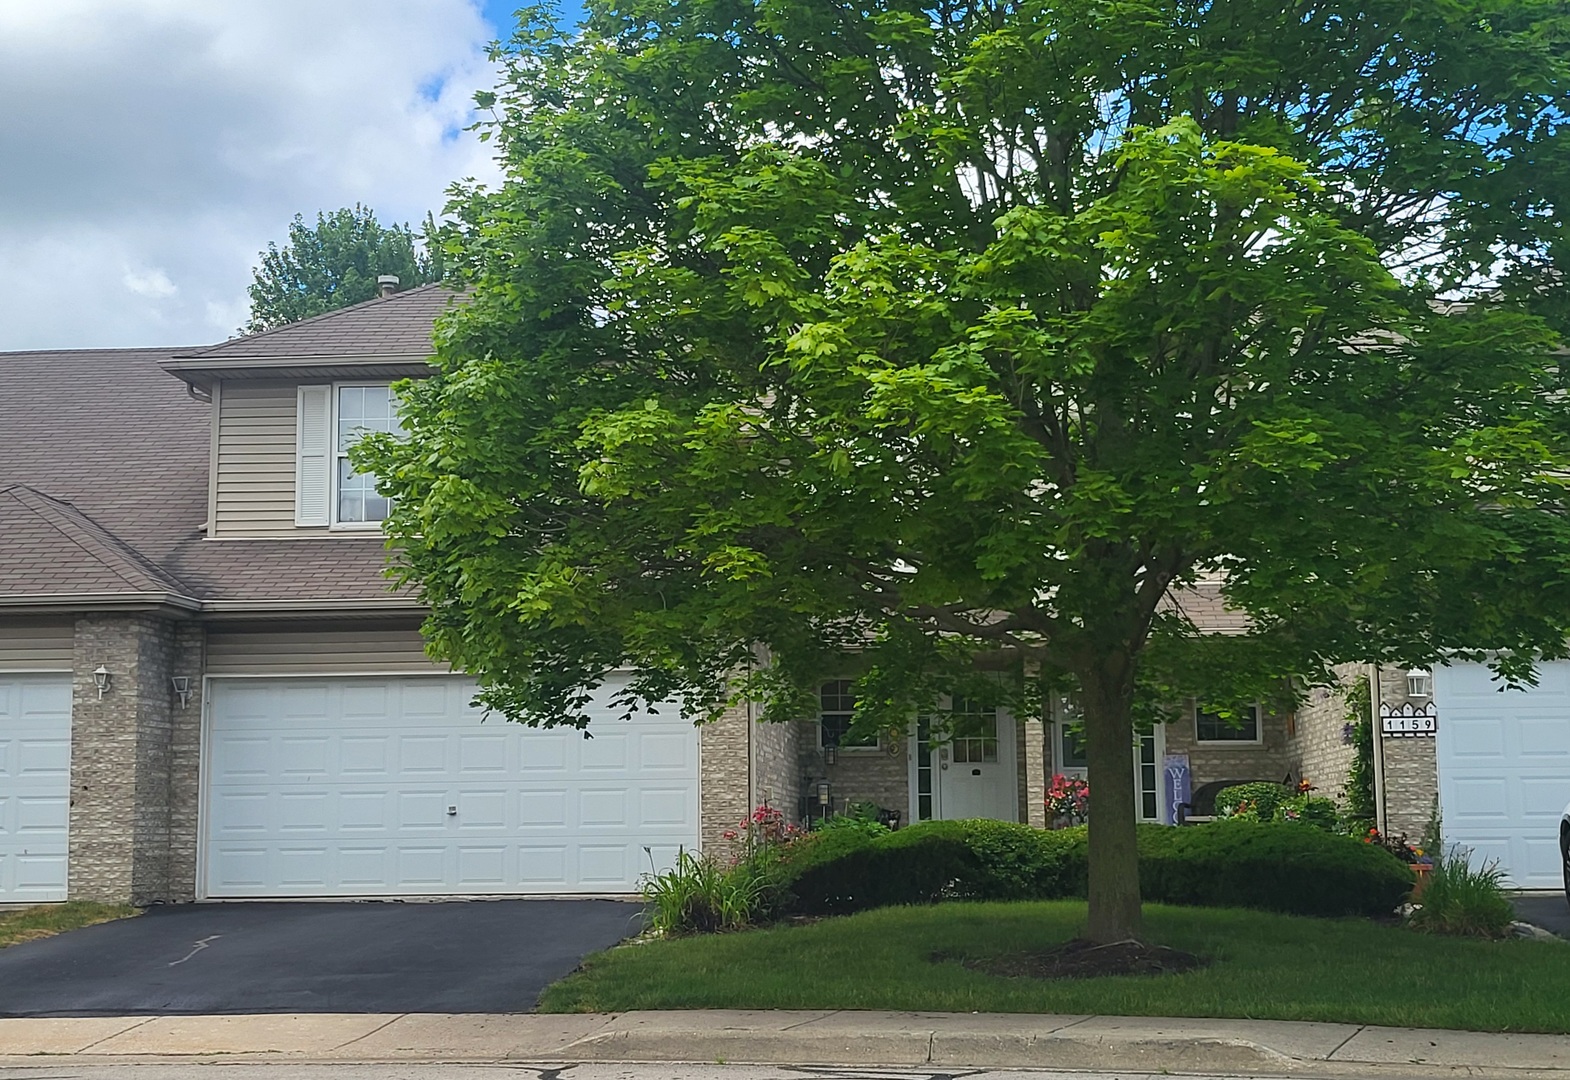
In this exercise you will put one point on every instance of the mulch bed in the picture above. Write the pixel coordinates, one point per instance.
(1083, 960)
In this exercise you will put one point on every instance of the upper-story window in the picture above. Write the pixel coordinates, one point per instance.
(360, 410)
(331, 419)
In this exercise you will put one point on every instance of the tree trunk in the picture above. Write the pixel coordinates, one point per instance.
(1107, 698)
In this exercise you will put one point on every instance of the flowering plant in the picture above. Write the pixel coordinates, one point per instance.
(1397, 846)
(1068, 800)
(764, 829)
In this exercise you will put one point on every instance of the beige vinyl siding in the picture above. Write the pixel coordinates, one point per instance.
(317, 649)
(36, 644)
(254, 468)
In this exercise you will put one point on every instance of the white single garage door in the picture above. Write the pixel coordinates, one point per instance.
(35, 786)
(395, 786)
(1504, 768)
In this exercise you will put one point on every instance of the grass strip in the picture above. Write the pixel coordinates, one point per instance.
(47, 920)
(1264, 966)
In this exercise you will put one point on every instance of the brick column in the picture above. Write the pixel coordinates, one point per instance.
(122, 752)
(185, 763)
(1033, 766)
(724, 769)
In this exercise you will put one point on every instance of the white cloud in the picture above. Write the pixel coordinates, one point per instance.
(153, 147)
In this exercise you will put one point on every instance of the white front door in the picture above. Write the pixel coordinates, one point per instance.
(394, 786)
(1504, 769)
(974, 773)
(35, 786)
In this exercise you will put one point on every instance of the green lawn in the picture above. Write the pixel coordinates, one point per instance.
(46, 920)
(1266, 966)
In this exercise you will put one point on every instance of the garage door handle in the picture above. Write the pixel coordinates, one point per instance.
(452, 811)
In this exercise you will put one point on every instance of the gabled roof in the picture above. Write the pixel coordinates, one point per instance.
(394, 327)
(50, 549)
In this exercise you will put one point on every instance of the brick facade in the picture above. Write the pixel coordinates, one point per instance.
(1267, 759)
(1321, 751)
(129, 812)
(879, 774)
(724, 776)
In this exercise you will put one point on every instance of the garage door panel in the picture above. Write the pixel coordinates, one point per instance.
(426, 796)
(1504, 769)
(1478, 738)
(35, 786)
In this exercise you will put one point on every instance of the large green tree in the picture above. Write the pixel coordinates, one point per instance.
(961, 338)
(335, 263)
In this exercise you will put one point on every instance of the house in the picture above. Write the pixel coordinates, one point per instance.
(1492, 762)
(208, 690)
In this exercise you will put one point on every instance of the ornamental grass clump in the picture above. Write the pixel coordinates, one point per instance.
(1464, 900)
(700, 895)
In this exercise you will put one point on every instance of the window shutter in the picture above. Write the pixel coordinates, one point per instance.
(313, 457)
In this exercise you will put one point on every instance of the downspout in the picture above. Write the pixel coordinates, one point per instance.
(752, 752)
(1379, 748)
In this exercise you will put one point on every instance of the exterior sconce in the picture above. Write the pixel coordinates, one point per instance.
(182, 689)
(102, 679)
(1419, 683)
(831, 754)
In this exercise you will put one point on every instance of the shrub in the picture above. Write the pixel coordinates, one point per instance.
(1271, 867)
(845, 870)
(1252, 802)
(1462, 899)
(1309, 810)
(699, 895)
(1274, 867)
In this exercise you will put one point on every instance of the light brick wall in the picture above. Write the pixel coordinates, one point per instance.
(1320, 751)
(121, 760)
(189, 660)
(1034, 761)
(1268, 759)
(724, 777)
(1411, 781)
(880, 775)
(1411, 777)
(777, 780)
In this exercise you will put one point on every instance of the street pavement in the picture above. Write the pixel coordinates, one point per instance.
(483, 956)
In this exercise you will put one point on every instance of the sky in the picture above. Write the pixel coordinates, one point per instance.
(150, 149)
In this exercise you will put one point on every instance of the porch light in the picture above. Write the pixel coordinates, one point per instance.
(182, 689)
(831, 754)
(1419, 683)
(102, 679)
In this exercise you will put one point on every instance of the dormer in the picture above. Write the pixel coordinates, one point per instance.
(287, 404)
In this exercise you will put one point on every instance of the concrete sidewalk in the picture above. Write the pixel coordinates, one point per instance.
(1137, 1044)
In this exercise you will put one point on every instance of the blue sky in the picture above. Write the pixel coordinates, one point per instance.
(150, 149)
(499, 13)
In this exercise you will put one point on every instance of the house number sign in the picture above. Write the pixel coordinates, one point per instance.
(1408, 721)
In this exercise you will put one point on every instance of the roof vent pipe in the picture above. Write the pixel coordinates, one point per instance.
(386, 285)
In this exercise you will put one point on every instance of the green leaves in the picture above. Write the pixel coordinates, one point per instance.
(940, 349)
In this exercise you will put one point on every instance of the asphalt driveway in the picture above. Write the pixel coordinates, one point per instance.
(478, 956)
(1547, 910)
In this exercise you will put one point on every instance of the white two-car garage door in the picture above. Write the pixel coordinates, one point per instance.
(35, 786)
(1504, 769)
(392, 786)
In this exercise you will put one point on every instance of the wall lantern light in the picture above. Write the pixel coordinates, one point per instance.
(182, 689)
(102, 679)
(1419, 683)
(831, 754)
